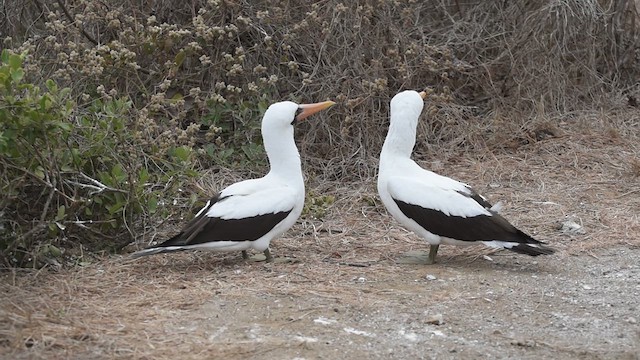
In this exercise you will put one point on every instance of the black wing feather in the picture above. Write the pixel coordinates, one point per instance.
(474, 228)
(204, 229)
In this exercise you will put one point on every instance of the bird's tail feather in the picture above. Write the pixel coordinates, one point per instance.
(531, 249)
(153, 251)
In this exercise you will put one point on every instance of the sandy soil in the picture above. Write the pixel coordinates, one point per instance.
(347, 289)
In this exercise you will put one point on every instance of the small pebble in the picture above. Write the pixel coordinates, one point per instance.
(632, 320)
(587, 287)
(436, 319)
(571, 227)
(430, 277)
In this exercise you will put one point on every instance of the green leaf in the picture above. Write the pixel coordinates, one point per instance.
(3, 140)
(51, 85)
(4, 76)
(39, 172)
(65, 92)
(115, 207)
(17, 75)
(180, 58)
(252, 151)
(4, 56)
(191, 173)
(45, 103)
(143, 175)
(118, 172)
(15, 62)
(182, 153)
(53, 250)
(64, 126)
(152, 204)
(61, 212)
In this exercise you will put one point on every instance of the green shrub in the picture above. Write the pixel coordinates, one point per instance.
(317, 206)
(85, 174)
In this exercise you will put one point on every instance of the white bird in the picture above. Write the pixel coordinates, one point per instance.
(251, 213)
(439, 209)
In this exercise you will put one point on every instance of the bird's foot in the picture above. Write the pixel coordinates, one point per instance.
(415, 257)
(267, 255)
(433, 251)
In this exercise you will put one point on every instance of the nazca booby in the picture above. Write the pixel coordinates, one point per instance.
(438, 209)
(251, 213)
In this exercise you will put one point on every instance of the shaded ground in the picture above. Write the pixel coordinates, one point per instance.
(347, 292)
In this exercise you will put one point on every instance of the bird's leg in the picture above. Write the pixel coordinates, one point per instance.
(245, 255)
(433, 250)
(267, 255)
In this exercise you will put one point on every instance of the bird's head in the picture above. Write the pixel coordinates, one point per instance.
(408, 99)
(287, 113)
(406, 107)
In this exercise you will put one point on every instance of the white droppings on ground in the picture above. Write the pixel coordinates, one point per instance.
(351, 330)
(324, 321)
(305, 339)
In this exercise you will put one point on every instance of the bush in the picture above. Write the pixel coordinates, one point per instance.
(73, 176)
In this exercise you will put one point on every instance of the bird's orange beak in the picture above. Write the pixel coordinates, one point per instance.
(423, 94)
(310, 109)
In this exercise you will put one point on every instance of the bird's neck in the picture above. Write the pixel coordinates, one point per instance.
(283, 155)
(400, 140)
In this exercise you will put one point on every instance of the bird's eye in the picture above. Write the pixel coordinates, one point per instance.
(298, 112)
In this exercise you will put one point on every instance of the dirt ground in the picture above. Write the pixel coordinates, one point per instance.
(345, 285)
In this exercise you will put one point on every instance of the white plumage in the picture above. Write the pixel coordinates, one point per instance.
(439, 209)
(251, 213)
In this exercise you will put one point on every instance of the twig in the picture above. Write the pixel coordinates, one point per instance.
(97, 186)
(354, 264)
(45, 182)
(81, 223)
(627, 193)
(43, 216)
(72, 20)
